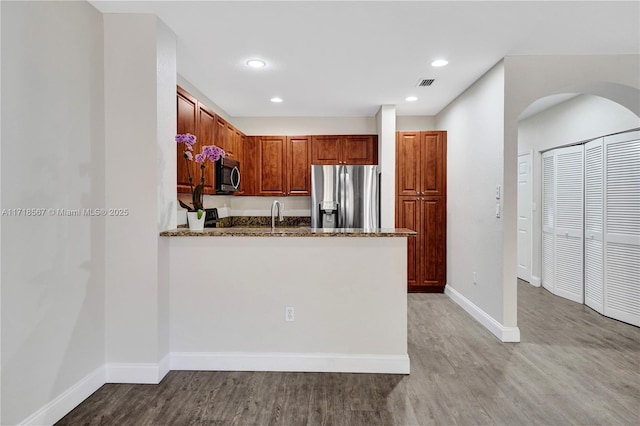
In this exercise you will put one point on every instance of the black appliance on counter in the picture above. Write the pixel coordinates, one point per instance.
(210, 218)
(227, 175)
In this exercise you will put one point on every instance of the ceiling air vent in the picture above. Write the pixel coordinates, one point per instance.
(425, 82)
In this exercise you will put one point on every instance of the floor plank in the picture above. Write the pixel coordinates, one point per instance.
(573, 366)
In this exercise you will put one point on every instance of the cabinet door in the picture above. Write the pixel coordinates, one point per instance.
(360, 149)
(248, 167)
(408, 163)
(240, 146)
(433, 163)
(232, 142)
(326, 150)
(220, 134)
(187, 108)
(299, 165)
(432, 241)
(271, 165)
(206, 128)
(408, 216)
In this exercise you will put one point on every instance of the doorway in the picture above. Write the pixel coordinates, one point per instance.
(525, 197)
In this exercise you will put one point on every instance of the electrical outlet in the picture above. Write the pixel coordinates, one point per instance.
(475, 278)
(289, 314)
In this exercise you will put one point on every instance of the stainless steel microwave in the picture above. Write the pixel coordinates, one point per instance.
(227, 175)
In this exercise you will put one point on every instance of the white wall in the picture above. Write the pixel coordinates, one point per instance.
(52, 279)
(140, 85)
(416, 122)
(474, 125)
(578, 119)
(386, 129)
(296, 126)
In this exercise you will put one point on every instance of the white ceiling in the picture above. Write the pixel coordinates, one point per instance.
(348, 58)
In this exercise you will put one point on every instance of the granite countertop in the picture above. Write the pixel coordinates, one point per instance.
(289, 232)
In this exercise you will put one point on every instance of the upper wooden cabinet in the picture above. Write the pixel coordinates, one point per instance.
(421, 163)
(197, 119)
(360, 149)
(271, 167)
(298, 165)
(326, 150)
(187, 118)
(248, 168)
(346, 149)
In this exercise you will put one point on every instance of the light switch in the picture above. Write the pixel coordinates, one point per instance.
(497, 192)
(534, 207)
(498, 210)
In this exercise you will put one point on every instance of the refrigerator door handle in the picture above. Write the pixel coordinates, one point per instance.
(341, 197)
(348, 199)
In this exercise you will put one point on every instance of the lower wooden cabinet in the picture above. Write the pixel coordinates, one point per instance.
(426, 261)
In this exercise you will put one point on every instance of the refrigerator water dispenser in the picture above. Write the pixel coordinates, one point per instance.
(328, 214)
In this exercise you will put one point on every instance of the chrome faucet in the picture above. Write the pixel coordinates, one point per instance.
(276, 204)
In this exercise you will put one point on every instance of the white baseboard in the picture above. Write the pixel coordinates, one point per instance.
(535, 281)
(164, 366)
(281, 361)
(67, 400)
(139, 373)
(505, 334)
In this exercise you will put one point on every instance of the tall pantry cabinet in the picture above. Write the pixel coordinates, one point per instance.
(421, 200)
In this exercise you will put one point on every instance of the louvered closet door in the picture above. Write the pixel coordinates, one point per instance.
(622, 227)
(593, 225)
(548, 218)
(569, 223)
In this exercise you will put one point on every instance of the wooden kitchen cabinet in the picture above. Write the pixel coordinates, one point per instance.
(426, 262)
(421, 163)
(240, 142)
(221, 134)
(326, 150)
(360, 149)
(271, 165)
(249, 165)
(421, 206)
(345, 149)
(195, 118)
(298, 157)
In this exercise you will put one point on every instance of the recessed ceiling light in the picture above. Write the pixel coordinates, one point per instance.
(256, 63)
(439, 63)
(411, 98)
(276, 100)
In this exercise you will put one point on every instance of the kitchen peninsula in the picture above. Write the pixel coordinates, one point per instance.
(289, 299)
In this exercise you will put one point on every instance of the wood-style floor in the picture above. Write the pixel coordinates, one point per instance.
(573, 366)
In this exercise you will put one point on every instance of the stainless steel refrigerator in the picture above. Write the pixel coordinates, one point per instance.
(345, 197)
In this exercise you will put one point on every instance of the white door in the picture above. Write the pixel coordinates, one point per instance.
(548, 219)
(524, 217)
(622, 227)
(593, 225)
(569, 227)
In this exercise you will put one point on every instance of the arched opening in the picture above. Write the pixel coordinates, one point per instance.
(565, 117)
